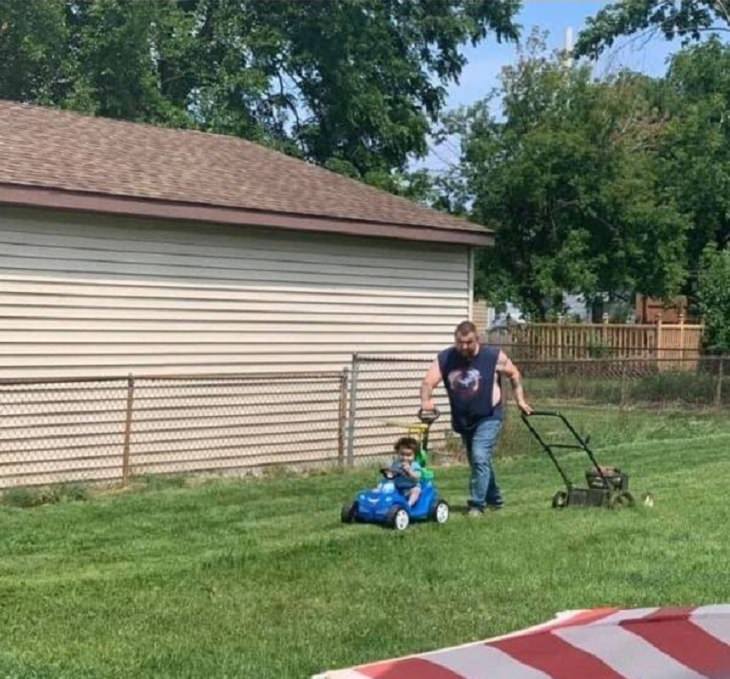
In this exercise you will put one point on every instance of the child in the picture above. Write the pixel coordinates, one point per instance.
(405, 471)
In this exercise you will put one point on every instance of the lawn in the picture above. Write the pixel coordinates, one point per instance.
(258, 578)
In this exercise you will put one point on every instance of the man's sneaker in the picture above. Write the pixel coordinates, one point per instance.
(475, 512)
(495, 508)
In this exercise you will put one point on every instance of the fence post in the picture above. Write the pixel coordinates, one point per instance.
(681, 340)
(718, 389)
(342, 417)
(127, 429)
(352, 411)
(624, 383)
(658, 349)
(560, 337)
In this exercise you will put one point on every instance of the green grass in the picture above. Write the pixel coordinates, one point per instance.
(259, 579)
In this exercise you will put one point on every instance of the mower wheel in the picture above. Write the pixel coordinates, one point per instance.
(398, 518)
(621, 500)
(560, 499)
(440, 511)
(349, 513)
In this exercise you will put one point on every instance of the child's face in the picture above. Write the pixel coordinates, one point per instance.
(405, 454)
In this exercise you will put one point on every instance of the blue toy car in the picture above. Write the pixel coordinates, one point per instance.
(386, 505)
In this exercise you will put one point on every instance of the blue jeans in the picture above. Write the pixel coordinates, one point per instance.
(483, 488)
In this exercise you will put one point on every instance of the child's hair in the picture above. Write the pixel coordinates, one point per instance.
(406, 442)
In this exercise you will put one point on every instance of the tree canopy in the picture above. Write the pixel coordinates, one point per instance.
(350, 84)
(714, 297)
(684, 19)
(569, 176)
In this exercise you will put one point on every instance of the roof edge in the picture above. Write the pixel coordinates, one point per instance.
(22, 195)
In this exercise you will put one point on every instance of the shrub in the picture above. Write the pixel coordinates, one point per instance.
(35, 497)
(714, 297)
(682, 387)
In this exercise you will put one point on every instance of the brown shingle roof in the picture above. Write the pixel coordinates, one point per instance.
(60, 150)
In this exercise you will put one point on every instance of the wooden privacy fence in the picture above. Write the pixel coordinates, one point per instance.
(570, 341)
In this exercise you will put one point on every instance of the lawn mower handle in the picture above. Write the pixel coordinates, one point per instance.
(428, 416)
(541, 413)
(548, 448)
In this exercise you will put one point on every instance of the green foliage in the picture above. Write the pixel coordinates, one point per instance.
(351, 84)
(714, 297)
(600, 187)
(674, 387)
(33, 45)
(597, 348)
(671, 389)
(693, 152)
(570, 180)
(158, 482)
(35, 497)
(694, 156)
(685, 19)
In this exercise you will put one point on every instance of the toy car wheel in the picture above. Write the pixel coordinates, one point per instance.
(349, 513)
(560, 499)
(440, 512)
(621, 500)
(398, 518)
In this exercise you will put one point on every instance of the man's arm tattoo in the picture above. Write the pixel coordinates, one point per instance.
(517, 387)
(426, 391)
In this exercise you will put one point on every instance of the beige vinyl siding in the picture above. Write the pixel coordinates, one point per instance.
(85, 296)
(82, 296)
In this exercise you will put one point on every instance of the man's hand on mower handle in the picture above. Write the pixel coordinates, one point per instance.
(428, 416)
(525, 407)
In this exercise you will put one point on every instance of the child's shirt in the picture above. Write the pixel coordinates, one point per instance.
(403, 482)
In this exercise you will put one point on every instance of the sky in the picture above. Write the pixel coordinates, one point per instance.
(486, 60)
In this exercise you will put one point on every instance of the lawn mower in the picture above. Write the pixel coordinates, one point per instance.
(606, 486)
(384, 504)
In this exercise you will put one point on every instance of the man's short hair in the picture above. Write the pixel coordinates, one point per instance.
(464, 328)
(406, 442)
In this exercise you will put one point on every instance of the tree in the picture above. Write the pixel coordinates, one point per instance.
(685, 19)
(714, 297)
(354, 85)
(33, 45)
(694, 158)
(570, 181)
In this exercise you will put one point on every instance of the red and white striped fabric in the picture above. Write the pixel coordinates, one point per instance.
(603, 643)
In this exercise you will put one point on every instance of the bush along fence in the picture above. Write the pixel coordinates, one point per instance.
(113, 429)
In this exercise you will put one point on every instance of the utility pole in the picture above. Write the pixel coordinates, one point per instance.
(568, 51)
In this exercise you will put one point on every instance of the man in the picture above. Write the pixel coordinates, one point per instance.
(471, 374)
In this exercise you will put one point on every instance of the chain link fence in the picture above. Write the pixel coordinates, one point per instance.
(387, 388)
(113, 429)
(700, 382)
(384, 399)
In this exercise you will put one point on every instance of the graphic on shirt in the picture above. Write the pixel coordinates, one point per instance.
(465, 382)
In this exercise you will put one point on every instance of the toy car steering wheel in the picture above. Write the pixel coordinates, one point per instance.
(389, 473)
